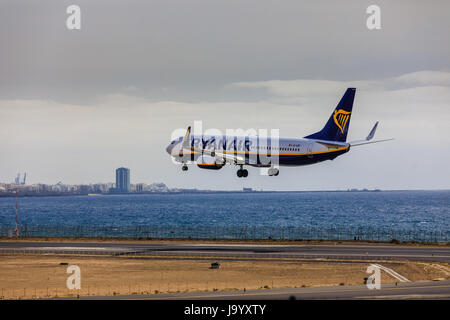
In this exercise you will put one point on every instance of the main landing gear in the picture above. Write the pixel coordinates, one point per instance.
(273, 172)
(242, 173)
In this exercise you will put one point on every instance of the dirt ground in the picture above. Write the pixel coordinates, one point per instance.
(40, 276)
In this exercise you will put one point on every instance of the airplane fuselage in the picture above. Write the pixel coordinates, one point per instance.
(261, 151)
(214, 151)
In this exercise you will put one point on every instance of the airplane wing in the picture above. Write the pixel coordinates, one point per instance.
(229, 158)
(221, 156)
(368, 138)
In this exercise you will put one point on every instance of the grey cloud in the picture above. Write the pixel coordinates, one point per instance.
(76, 104)
(189, 50)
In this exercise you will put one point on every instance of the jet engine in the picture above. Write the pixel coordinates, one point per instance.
(208, 162)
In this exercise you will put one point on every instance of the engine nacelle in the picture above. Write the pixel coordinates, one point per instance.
(208, 162)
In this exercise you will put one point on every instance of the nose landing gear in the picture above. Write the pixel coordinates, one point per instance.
(184, 167)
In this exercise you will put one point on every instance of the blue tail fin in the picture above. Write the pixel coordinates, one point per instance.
(337, 126)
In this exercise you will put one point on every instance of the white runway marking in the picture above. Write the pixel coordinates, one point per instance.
(392, 273)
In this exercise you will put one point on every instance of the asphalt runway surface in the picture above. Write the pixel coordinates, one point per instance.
(436, 290)
(357, 252)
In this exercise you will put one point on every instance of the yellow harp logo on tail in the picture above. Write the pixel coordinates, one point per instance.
(341, 118)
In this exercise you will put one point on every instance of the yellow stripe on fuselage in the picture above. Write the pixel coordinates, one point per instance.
(269, 154)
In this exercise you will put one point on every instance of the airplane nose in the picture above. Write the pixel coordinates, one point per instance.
(169, 149)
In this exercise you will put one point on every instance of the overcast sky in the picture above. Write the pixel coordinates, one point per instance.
(76, 104)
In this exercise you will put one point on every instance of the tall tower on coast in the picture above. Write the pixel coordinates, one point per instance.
(123, 180)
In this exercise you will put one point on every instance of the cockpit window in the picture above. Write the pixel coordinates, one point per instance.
(176, 140)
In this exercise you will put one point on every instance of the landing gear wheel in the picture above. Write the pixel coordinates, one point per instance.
(273, 172)
(242, 173)
(184, 168)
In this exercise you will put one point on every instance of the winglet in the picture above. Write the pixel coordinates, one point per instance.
(186, 138)
(372, 132)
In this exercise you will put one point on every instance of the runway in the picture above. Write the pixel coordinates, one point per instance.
(416, 290)
(182, 250)
(119, 248)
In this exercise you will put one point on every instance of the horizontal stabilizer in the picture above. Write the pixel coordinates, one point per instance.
(361, 142)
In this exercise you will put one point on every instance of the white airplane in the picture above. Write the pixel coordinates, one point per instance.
(214, 151)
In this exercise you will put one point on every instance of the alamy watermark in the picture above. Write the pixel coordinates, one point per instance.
(73, 21)
(74, 280)
(255, 147)
(374, 281)
(373, 22)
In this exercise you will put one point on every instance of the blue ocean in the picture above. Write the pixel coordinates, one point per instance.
(405, 211)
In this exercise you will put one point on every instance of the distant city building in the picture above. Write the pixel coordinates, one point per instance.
(140, 187)
(123, 180)
(121, 186)
(84, 188)
(157, 187)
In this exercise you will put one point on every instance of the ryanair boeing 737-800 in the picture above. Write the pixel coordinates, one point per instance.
(214, 151)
